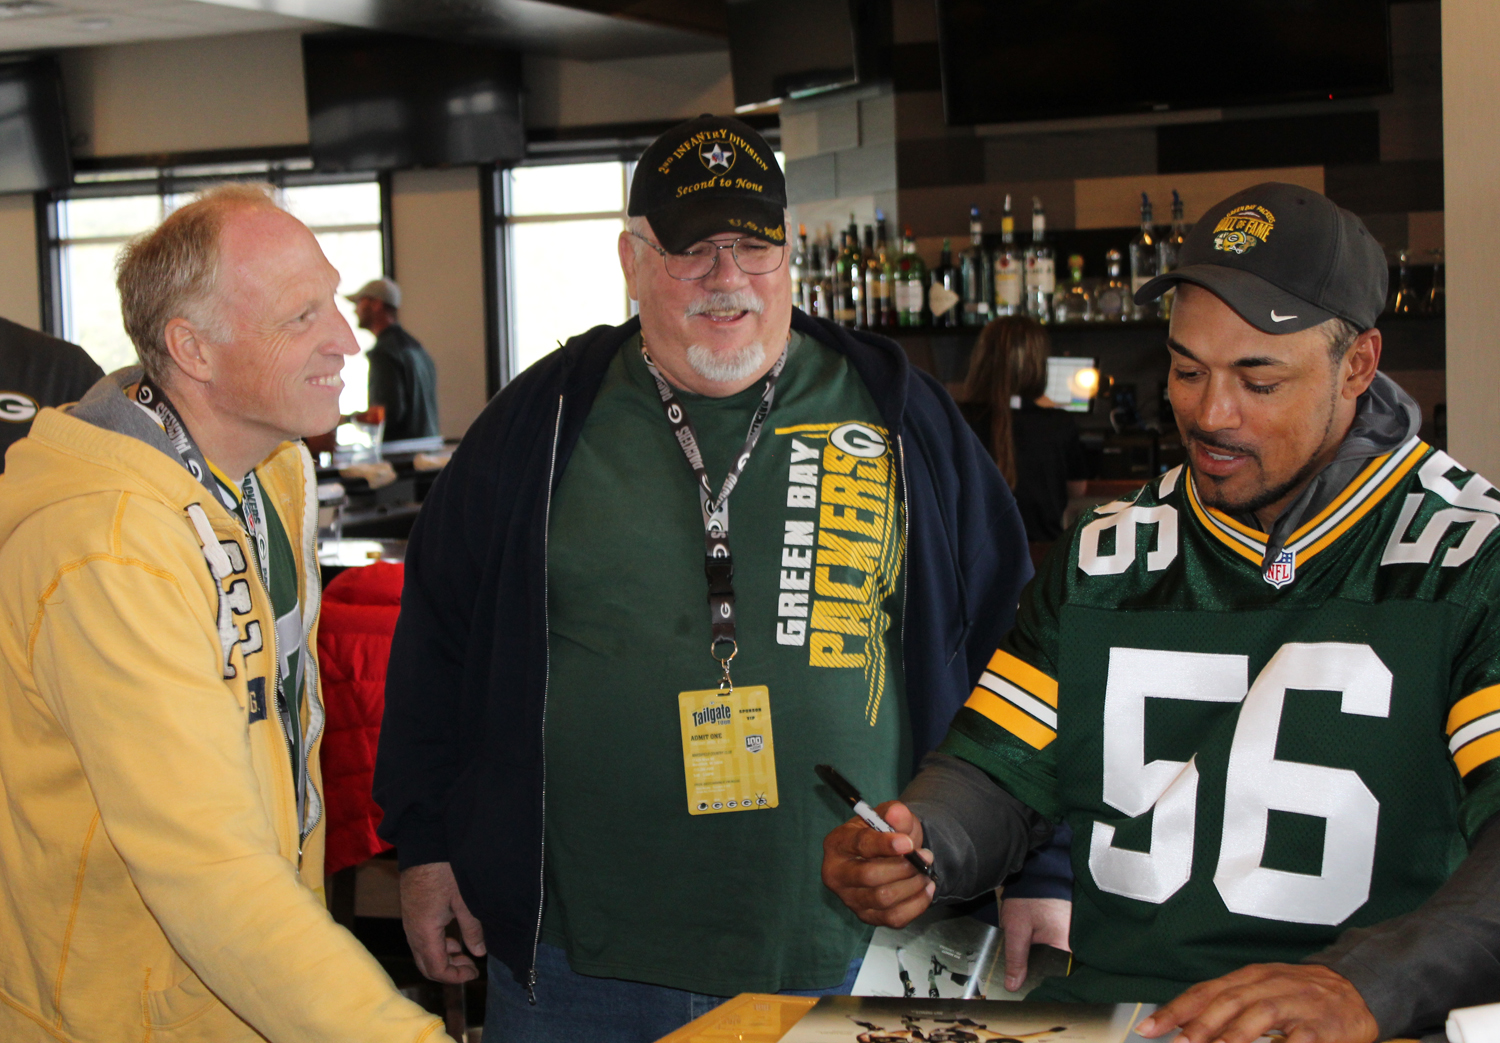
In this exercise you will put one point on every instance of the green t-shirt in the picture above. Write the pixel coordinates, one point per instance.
(281, 584)
(638, 888)
(1252, 761)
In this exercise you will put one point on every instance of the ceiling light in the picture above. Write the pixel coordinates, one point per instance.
(94, 23)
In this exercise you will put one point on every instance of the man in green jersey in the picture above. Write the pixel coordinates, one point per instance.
(1264, 690)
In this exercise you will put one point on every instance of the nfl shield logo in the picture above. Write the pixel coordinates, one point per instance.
(1283, 570)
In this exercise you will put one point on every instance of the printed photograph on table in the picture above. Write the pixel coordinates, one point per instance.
(864, 1019)
(942, 956)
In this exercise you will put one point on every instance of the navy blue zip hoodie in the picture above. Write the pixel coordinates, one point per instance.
(460, 773)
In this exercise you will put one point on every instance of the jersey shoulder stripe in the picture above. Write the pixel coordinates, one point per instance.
(1017, 697)
(1474, 729)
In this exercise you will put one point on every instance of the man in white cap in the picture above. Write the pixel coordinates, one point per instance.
(403, 377)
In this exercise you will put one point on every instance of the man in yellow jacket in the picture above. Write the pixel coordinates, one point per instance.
(161, 836)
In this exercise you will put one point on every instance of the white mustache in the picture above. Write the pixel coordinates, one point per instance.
(718, 300)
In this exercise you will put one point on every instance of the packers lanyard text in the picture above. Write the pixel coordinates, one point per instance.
(154, 401)
(718, 564)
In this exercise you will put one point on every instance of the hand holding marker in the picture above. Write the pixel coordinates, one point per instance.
(871, 817)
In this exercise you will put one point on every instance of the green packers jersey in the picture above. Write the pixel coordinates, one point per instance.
(1253, 760)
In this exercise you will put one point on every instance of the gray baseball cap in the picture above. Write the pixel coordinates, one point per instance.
(384, 290)
(1285, 258)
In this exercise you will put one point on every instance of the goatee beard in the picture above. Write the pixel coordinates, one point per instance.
(727, 367)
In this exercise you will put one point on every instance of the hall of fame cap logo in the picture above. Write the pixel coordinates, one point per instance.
(717, 155)
(1283, 570)
(1243, 228)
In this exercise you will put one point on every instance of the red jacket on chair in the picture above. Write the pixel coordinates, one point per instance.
(360, 608)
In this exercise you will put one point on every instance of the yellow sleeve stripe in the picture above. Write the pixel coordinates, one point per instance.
(1025, 676)
(1472, 707)
(1023, 726)
(1019, 699)
(1473, 730)
(1480, 751)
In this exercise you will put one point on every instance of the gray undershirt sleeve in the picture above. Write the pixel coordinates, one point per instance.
(977, 831)
(1412, 969)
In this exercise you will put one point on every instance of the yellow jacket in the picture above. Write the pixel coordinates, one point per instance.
(152, 884)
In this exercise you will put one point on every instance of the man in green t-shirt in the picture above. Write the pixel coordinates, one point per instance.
(673, 567)
(1264, 690)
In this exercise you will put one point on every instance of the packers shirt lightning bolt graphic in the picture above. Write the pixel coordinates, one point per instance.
(846, 483)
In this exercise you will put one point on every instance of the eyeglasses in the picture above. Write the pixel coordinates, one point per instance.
(753, 256)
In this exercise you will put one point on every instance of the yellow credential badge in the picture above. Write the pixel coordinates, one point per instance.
(728, 755)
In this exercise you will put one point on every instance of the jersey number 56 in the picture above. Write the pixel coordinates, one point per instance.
(1257, 781)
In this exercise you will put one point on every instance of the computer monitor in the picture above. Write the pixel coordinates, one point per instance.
(1064, 388)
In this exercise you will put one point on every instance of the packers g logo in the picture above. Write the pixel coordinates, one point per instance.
(16, 408)
(1243, 228)
(858, 440)
(717, 156)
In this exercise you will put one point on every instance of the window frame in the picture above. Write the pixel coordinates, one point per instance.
(502, 278)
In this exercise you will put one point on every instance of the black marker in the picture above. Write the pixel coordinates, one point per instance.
(871, 817)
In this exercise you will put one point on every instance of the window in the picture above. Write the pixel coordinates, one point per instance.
(562, 222)
(92, 227)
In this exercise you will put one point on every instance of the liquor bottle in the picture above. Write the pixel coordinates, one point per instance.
(1436, 297)
(1041, 269)
(878, 303)
(944, 298)
(1008, 277)
(801, 282)
(1169, 252)
(1112, 300)
(910, 284)
(857, 272)
(870, 310)
(848, 281)
(1144, 259)
(822, 285)
(1073, 303)
(1406, 299)
(977, 277)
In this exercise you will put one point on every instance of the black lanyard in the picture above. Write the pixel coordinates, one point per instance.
(154, 401)
(718, 564)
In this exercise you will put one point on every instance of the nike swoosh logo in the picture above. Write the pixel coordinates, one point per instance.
(1280, 318)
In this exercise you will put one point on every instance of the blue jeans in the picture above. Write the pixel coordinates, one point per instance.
(577, 1008)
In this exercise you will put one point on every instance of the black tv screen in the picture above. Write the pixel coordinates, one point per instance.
(780, 49)
(377, 101)
(1007, 60)
(33, 127)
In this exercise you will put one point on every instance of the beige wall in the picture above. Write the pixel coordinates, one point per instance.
(20, 300)
(1471, 189)
(440, 266)
(216, 92)
(565, 93)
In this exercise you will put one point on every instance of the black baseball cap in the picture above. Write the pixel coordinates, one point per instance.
(709, 175)
(1285, 258)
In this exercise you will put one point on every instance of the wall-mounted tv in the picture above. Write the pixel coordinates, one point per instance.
(378, 101)
(33, 127)
(1011, 60)
(782, 49)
